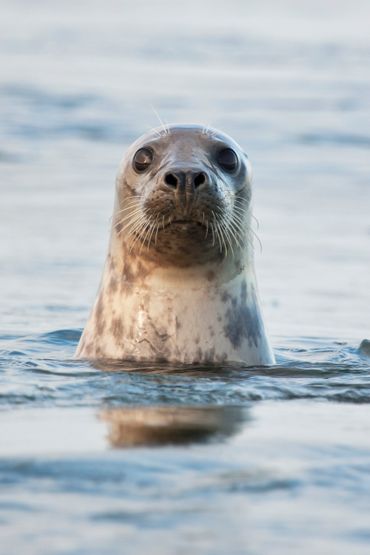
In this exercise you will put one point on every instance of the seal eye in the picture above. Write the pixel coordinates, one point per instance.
(227, 159)
(142, 159)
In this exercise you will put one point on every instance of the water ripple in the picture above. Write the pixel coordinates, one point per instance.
(314, 369)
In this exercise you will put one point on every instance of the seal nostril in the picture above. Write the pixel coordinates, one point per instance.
(199, 179)
(171, 180)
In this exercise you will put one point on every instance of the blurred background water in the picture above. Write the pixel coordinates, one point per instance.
(173, 460)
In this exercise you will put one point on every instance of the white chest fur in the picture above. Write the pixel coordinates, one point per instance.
(191, 320)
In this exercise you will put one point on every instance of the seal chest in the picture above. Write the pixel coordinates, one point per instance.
(179, 282)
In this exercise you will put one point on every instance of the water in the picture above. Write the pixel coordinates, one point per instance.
(176, 460)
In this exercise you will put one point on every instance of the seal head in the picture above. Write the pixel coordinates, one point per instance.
(180, 194)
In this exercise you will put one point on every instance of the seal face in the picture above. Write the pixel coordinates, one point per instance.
(180, 196)
(179, 282)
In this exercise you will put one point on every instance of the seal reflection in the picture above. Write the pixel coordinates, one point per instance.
(155, 426)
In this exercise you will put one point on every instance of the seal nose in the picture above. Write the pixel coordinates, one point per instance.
(185, 179)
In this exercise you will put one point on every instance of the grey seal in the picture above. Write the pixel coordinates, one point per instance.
(179, 283)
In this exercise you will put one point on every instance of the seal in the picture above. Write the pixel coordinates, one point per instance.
(179, 283)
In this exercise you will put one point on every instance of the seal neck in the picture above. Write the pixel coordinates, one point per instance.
(140, 271)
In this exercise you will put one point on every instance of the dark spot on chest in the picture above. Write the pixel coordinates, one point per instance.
(88, 349)
(117, 328)
(225, 297)
(128, 274)
(243, 319)
(99, 316)
(113, 285)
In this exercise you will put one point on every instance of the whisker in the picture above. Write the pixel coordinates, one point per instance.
(224, 224)
(129, 217)
(217, 230)
(221, 239)
(257, 222)
(151, 233)
(213, 234)
(132, 221)
(130, 200)
(156, 233)
(130, 210)
(128, 222)
(233, 237)
(138, 226)
(207, 229)
(239, 209)
(236, 230)
(144, 236)
(249, 239)
(258, 239)
(131, 206)
(238, 219)
(137, 235)
(164, 127)
(226, 235)
(141, 233)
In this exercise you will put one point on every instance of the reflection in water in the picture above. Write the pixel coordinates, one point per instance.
(171, 425)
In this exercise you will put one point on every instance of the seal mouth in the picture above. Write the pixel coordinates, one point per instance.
(184, 223)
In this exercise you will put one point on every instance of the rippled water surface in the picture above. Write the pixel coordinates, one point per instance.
(160, 459)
